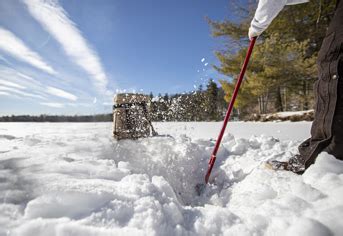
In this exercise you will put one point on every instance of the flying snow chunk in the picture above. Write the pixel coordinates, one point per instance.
(206, 64)
(94, 100)
(203, 59)
(155, 99)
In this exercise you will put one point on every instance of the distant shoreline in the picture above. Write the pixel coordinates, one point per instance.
(58, 118)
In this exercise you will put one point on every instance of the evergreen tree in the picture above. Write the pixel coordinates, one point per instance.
(211, 101)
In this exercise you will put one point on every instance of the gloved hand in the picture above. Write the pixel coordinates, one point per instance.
(253, 33)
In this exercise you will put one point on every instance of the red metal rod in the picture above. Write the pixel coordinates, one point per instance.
(229, 110)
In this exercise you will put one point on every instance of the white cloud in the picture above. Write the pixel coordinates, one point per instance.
(79, 104)
(25, 76)
(8, 73)
(20, 92)
(55, 20)
(52, 104)
(15, 47)
(4, 94)
(26, 85)
(11, 84)
(23, 85)
(61, 93)
(5, 60)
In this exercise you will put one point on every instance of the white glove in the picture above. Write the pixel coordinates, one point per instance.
(253, 33)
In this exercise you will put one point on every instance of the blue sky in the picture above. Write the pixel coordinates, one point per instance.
(71, 56)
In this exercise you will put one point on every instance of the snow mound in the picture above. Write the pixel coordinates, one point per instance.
(74, 179)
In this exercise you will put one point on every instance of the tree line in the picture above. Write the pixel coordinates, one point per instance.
(57, 118)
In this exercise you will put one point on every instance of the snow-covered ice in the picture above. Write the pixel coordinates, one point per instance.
(74, 179)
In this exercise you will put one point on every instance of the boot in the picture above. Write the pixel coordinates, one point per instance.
(295, 164)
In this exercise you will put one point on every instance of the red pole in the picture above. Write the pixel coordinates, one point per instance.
(229, 110)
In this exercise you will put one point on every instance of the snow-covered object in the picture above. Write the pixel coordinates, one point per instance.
(293, 113)
(74, 179)
(131, 116)
(307, 115)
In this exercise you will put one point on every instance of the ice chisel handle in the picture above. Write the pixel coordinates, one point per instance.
(229, 110)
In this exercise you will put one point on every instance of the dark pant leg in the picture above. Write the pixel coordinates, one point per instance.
(327, 127)
(336, 145)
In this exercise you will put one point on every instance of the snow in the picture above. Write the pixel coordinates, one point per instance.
(292, 113)
(74, 179)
